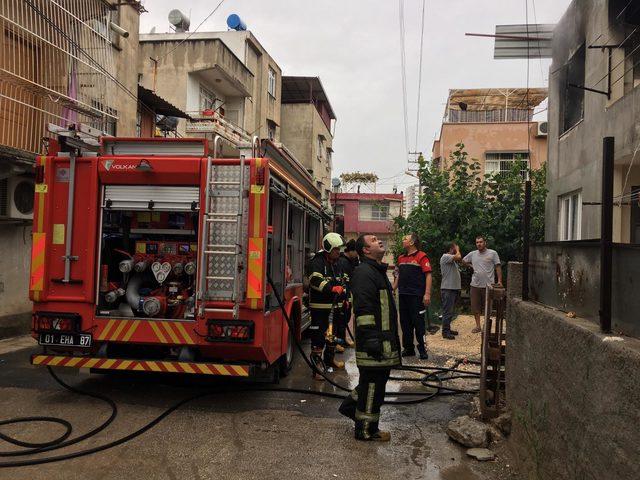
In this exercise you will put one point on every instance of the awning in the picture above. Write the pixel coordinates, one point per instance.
(158, 104)
(305, 90)
(496, 98)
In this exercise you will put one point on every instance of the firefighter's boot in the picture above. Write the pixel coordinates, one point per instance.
(316, 360)
(330, 357)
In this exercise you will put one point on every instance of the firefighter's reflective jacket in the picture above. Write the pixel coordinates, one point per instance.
(323, 275)
(377, 342)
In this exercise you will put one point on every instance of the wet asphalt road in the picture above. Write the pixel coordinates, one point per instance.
(230, 435)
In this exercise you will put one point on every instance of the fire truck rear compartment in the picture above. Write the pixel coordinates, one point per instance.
(148, 256)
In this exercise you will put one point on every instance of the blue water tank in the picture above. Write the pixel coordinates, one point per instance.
(234, 22)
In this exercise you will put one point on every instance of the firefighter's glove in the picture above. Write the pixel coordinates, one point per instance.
(338, 289)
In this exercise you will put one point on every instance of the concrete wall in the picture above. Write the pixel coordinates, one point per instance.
(575, 156)
(480, 138)
(301, 126)
(238, 54)
(15, 306)
(573, 395)
(126, 68)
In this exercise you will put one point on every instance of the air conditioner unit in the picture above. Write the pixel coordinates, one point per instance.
(543, 129)
(16, 198)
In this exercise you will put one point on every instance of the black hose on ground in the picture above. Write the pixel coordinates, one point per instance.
(431, 379)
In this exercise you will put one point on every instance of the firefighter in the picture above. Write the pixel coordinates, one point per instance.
(325, 291)
(347, 262)
(377, 342)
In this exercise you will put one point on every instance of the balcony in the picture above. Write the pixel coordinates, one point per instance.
(211, 123)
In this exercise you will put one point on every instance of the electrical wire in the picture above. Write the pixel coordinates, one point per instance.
(535, 20)
(403, 74)
(420, 76)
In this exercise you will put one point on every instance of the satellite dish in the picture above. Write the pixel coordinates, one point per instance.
(336, 182)
(179, 20)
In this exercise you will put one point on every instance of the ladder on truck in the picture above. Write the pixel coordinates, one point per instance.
(224, 236)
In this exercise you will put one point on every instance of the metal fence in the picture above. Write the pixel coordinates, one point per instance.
(566, 276)
(55, 66)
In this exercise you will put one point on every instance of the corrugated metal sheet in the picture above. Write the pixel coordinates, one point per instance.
(522, 41)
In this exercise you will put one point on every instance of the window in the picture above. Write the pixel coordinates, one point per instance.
(497, 163)
(570, 216)
(572, 98)
(373, 212)
(271, 88)
(339, 209)
(321, 150)
(207, 99)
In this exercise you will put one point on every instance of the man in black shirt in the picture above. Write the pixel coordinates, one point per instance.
(377, 342)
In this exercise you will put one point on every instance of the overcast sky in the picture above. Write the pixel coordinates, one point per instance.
(354, 47)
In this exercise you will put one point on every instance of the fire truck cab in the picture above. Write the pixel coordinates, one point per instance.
(152, 255)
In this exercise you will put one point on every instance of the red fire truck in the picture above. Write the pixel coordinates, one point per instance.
(151, 255)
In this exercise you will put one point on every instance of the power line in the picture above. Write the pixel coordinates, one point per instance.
(535, 19)
(403, 73)
(420, 76)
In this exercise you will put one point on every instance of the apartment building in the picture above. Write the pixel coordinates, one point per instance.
(60, 64)
(307, 127)
(594, 94)
(496, 127)
(358, 213)
(226, 82)
(411, 198)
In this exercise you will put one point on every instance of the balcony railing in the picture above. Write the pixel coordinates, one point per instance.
(488, 116)
(209, 121)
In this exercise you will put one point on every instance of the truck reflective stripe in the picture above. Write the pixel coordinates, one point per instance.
(172, 335)
(157, 331)
(37, 262)
(131, 331)
(184, 333)
(119, 329)
(141, 365)
(255, 273)
(105, 332)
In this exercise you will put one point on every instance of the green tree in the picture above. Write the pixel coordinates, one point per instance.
(458, 203)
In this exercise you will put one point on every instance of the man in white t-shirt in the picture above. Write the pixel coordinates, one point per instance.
(486, 265)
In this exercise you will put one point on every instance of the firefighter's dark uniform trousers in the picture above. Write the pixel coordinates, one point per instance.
(322, 278)
(377, 345)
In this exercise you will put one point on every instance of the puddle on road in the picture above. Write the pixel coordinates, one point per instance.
(458, 472)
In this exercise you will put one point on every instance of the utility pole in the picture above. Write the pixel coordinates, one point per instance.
(526, 228)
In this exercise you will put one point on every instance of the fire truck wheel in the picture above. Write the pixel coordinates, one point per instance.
(286, 361)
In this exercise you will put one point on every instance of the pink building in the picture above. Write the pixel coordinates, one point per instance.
(358, 213)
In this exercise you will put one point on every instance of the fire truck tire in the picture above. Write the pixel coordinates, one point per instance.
(286, 361)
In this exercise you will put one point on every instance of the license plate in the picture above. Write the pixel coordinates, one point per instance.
(65, 339)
